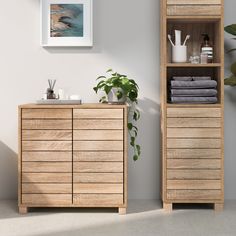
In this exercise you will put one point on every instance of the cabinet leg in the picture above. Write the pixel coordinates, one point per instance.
(167, 206)
(122, 210)
(23, 210)
(218, 206)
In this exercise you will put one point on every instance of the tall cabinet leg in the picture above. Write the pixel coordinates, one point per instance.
(122, 210)
(218, 206)
(23, 210)
(167, 206)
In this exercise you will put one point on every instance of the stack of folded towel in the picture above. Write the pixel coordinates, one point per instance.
(198, 89)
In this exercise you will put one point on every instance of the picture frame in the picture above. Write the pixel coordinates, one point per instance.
(66, 23)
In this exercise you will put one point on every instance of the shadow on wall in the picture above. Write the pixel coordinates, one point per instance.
(8, 172)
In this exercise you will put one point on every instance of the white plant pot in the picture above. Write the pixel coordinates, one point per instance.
(112, 98)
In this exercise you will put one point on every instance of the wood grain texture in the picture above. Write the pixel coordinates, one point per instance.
(98, 124)
(46, 188)
(98, 156)
(193, 10)
(47, 156)
(98, 113)
(193, 153)
(193, 174)
(44, 167)
(46, 177)
(98, 145)
(193, 164)
(98, 199)
(54, 135)
(23, 210)
(194, 112)
(98, 135)
(218, 207)
(194, 195)
(98, 178)
(97, 188)
(193, 133)
(193, 184)
(46, 146)
(46, 113)
(46, 199)
(193, 143)
(47, 124)
(193, 2)
(98, 167)
(193, 122)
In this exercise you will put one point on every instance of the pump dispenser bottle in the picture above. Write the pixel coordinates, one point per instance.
(207, 48)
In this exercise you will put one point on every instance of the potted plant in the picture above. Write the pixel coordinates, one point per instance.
(231, 29)
(119, 89)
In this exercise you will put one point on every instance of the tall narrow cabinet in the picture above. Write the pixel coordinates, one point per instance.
(192, 134)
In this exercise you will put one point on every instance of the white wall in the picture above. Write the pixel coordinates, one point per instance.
(127, 39)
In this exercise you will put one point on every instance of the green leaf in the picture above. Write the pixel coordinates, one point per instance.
(101, 77)
(95, 89)
(135, 157)
(103, 99)
(132, 143)
(231, 81)
(136, 115)
(130, 126)
(110, 70)
(138, 149)
(231, 29)
(233, 68)
(107, 89)
(119, 94)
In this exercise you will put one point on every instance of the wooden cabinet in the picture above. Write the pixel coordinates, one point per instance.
(192, 134)
(73, 156)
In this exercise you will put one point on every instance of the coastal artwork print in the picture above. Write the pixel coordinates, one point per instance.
(66, 20)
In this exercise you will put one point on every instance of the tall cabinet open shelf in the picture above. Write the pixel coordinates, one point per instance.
(192, 134)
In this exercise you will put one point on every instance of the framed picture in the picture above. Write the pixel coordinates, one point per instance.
(66, 23)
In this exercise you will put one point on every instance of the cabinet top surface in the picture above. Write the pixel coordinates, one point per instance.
(85, 105)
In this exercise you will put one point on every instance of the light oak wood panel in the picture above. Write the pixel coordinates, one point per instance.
(46, 146)
(193, 132)
(98, 113)
(47, 156)
(193, 164)
(97, 188)
(100, 167)
(98, 145)
(193, 174)
(46, 188)
(98, 178)
(98, 199)
(50, 167)
(194, 112)
(46, 113)
(193, 143)
(47, 124)
(194, 153)
(54, 135)
(98, 156)
(193, 184)
(194, 195)
(193, 2)
(98, 124)
(46, 199)
(98, 135)
(193, 10)
(193, 122)
(46, 177)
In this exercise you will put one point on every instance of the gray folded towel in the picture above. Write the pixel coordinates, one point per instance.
(194, 84)
(193, 92)
(192, 100)
(182, 78)
(201, 78)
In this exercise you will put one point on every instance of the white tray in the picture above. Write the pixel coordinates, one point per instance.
(58, 102)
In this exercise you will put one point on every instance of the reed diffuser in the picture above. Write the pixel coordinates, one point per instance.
(50, 90)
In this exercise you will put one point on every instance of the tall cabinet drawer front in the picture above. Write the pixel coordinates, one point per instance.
(98, 156)
(47, 156)
(194, 112)
(97, 188)
(47, 124)
(46, 188)
(98, 145)
(98, 113)
(46, 113)
(194, 10)
(98, 135)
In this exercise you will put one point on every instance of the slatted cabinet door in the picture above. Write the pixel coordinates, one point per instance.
(46, 157)
(98, 157)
